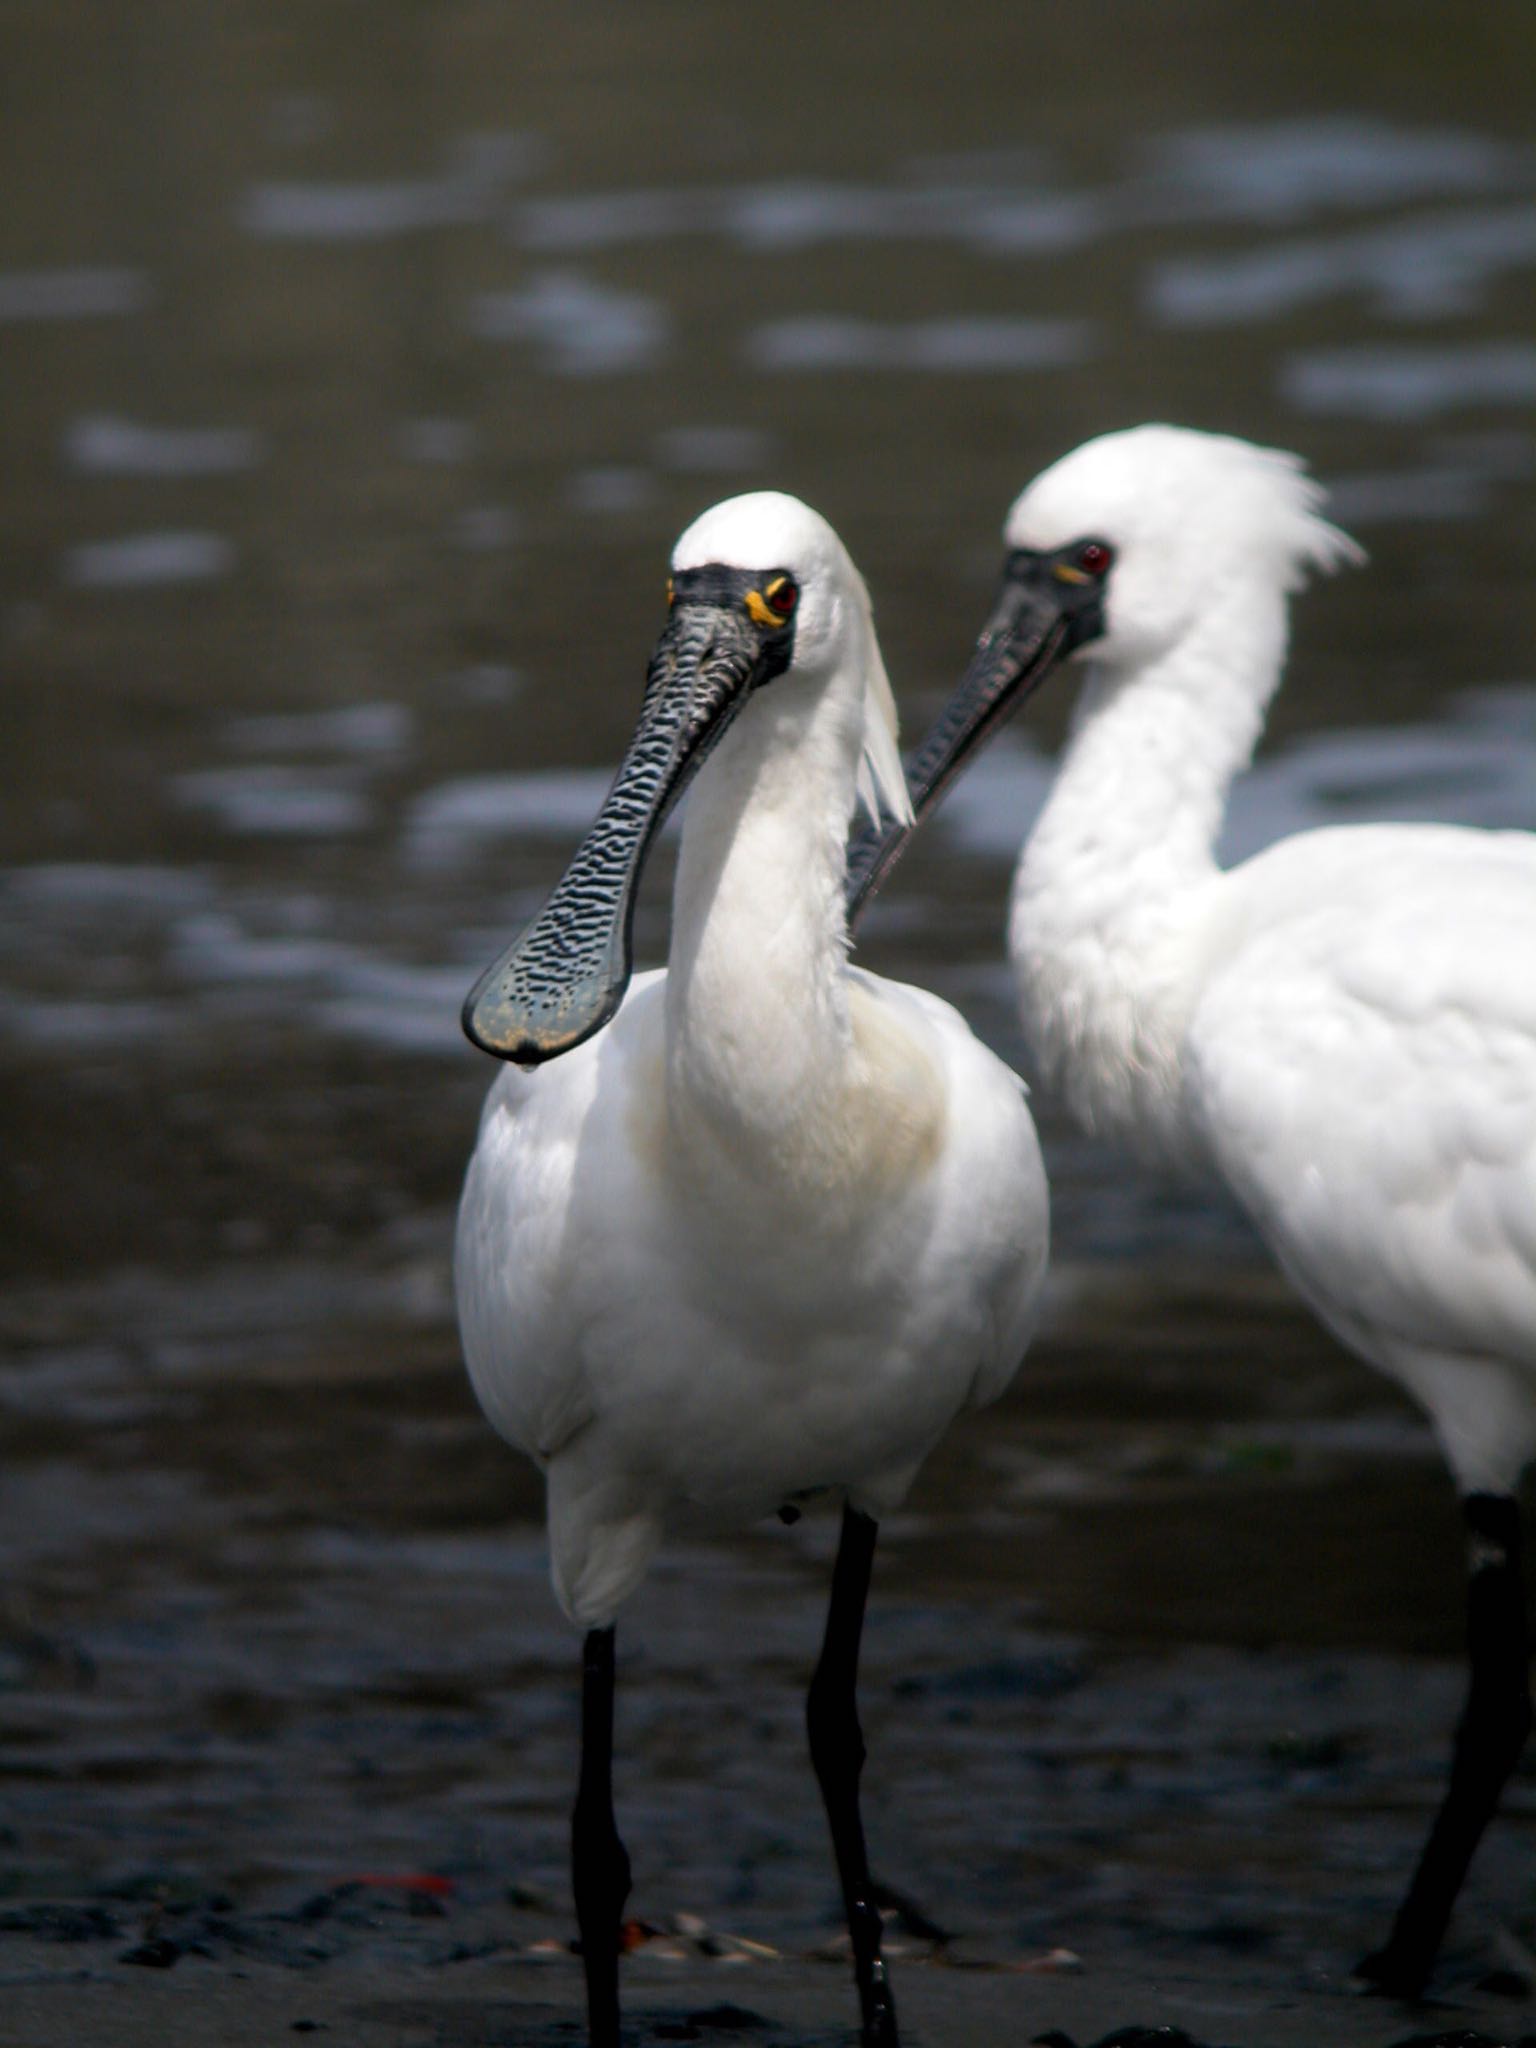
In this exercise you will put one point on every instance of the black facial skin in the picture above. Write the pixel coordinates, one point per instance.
(1047, 606)
(729, 590)
(565, 976)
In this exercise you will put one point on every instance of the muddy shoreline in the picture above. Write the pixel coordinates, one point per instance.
(287, 1714)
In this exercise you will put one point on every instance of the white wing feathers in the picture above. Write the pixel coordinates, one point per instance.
(1366, 1070)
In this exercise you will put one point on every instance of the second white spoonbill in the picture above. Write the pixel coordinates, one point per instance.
(766, 1234)
(1342, 1028)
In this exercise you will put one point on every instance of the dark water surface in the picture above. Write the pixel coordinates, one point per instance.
(358, 366)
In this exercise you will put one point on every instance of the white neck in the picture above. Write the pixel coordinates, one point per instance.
(794, 1092)
(1117, 877)
(758, 1033)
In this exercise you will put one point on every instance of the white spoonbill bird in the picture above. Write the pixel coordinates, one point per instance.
(1343, 1028)
(766, 1234)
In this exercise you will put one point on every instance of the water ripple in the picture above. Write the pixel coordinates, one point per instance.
(1418, 269)
(100, 444)
(372, 210)
(802, 213)
(72, 294)
(1279, 170)
(1383, 382)
(273, 801)
(1267, 173)
(584, 329)
(447, 824)
(1459, 480)
(138, 561)
(825, 341)
(364, 731)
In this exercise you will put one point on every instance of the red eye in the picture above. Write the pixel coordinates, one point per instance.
(783, 596)
(1094, 558)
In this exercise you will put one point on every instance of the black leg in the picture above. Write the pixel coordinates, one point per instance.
(599, 1862)
(837, 1751)
(1489, 1739)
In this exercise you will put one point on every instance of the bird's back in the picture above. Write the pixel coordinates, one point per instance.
(1361, 1067)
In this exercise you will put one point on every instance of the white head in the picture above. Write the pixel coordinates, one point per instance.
(788, 556)
(1191, 522)
(768, 631)
(1128, 552)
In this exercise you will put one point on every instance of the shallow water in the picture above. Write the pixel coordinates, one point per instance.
(356, 381)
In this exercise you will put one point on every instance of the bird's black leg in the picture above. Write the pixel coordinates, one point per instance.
(837, 1751)
(1489, 1738)
(599, 1862)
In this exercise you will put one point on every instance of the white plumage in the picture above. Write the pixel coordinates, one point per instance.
(763, 1236)
(689, 1320)
(1342, 1029)
(767, 1233)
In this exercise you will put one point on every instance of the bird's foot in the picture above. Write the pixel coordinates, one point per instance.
(1391, 1973)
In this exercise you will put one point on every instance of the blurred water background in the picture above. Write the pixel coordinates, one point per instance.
(358, 365)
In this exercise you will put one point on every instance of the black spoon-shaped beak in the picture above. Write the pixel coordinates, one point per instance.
(1039, 618)
(566, 975)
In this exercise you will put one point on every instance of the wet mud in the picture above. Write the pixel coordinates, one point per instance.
(285, 1695)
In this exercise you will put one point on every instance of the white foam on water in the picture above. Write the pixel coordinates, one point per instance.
(448, 824)
(229, 970)
(1427, 268)
(145, 561)
(1268, 173)
(67, 1027)
(212, 946)
(802, 213)
(470, 189)
(1461, 477)
(365, 732)
(100, 444)
(602, 220)
(334, 986)
(73, 294)
(93, 888)
(402, 1009)
(1385, 381)
(1404, 496)
(962, 343)
(1041, 223)
(1276, 171)
(276, 801)
(583, 329)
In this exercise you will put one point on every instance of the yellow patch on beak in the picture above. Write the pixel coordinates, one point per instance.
(758, 609)
(671, 594)
(1065, 573)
